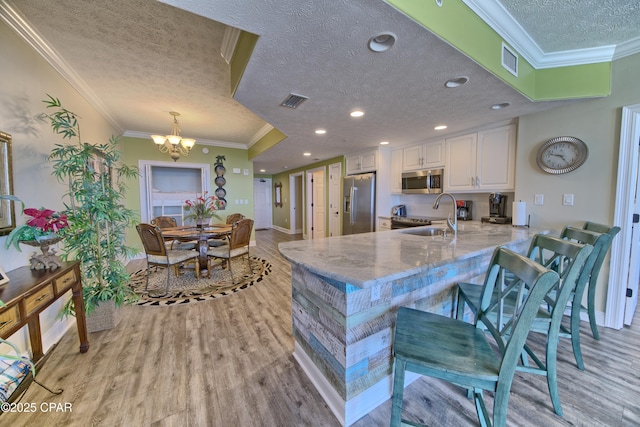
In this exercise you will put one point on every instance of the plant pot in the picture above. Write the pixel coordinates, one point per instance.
(203, 222)
(104, 316)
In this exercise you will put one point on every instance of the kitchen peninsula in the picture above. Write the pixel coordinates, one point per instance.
(346, 291)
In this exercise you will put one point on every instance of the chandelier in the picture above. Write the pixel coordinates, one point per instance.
(174, 144)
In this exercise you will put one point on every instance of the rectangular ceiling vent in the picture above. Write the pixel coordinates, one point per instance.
(509, 60)
(293, 100)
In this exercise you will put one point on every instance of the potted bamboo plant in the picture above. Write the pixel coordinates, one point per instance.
(96, 215)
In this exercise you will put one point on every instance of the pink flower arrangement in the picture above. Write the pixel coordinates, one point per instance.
(203, 207)
(46, 219)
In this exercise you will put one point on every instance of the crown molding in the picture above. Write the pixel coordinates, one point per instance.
(229, 43)
(260, 134)
(627, 48)
(20, 25)
(210, 142)
(497, 17)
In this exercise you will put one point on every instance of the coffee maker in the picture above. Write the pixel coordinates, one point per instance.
(464, 210)
(497, 209)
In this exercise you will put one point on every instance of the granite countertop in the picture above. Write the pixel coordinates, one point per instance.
(366, 259)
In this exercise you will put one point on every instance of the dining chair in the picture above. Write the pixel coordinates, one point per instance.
(238, 245)
(231, 218)
(462, 353)
(593, 280)
(568, 259)
(158, 254)
(170, 222)
(600, 243)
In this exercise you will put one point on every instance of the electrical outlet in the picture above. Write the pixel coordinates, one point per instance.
(567, 199)
(538, 199)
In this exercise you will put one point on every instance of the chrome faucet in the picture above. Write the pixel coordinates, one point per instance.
(452, 225)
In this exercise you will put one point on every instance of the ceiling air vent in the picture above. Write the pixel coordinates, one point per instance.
(509, 60)
(293, 100)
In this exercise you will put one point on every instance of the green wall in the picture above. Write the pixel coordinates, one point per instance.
(238, 186)
(281, 216)
(459, 26)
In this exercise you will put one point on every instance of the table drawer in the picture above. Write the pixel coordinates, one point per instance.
(37, 300)
(65, 281)
(9, 318)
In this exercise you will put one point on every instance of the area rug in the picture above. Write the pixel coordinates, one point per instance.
(186, 289)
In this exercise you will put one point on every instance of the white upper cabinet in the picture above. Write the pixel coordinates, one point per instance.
(482, 161)
(362, 162)
(460, 164)
(424, 156)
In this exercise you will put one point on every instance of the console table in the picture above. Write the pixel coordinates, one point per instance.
(29, 292)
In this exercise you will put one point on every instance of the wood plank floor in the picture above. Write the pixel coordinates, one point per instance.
(228, 362)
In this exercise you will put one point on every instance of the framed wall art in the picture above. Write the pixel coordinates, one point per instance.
(278, 188)
(7, 214)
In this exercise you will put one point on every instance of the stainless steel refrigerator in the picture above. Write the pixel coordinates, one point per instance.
(358, 209)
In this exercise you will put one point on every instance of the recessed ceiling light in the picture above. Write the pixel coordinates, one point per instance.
(440, 127)
(321, 131)
(384, 143)
(500, 106)
(356, 113)
(306, 154)
(382, 42)
(457, 82)
(263, 170)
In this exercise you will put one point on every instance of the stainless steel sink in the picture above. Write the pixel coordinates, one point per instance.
(426, 231)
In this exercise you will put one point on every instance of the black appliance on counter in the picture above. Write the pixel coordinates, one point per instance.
(497, 209)
(464, 210)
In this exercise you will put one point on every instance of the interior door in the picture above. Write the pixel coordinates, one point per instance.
(631, 301)
(318, 205)
(335, 180)
(262, 203)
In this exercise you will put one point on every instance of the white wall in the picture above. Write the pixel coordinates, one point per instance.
(26, 81)
(597, 123)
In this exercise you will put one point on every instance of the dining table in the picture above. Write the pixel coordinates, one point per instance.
(201, 235)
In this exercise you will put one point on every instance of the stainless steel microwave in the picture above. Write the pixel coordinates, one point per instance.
(428, 181)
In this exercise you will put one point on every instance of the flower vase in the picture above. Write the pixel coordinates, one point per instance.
(202, 222)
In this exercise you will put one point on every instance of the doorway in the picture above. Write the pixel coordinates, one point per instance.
(315, 202)
(295, 207)
(335, 185)
(263, 214)
(622, 295)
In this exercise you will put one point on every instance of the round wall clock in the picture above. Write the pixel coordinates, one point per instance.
(562, 154)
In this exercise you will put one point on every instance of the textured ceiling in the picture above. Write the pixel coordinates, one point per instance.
(143, 58)
(559, 25)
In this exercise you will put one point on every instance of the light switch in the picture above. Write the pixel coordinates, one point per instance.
(236, 170)
(567, 199)
(538, 199)
(246, 172)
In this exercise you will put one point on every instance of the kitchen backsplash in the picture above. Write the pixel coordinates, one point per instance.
(421, 204)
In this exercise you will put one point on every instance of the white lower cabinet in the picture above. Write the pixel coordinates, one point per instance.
(384, 224)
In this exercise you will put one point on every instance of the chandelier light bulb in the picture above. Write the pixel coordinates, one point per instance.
(174, 144)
